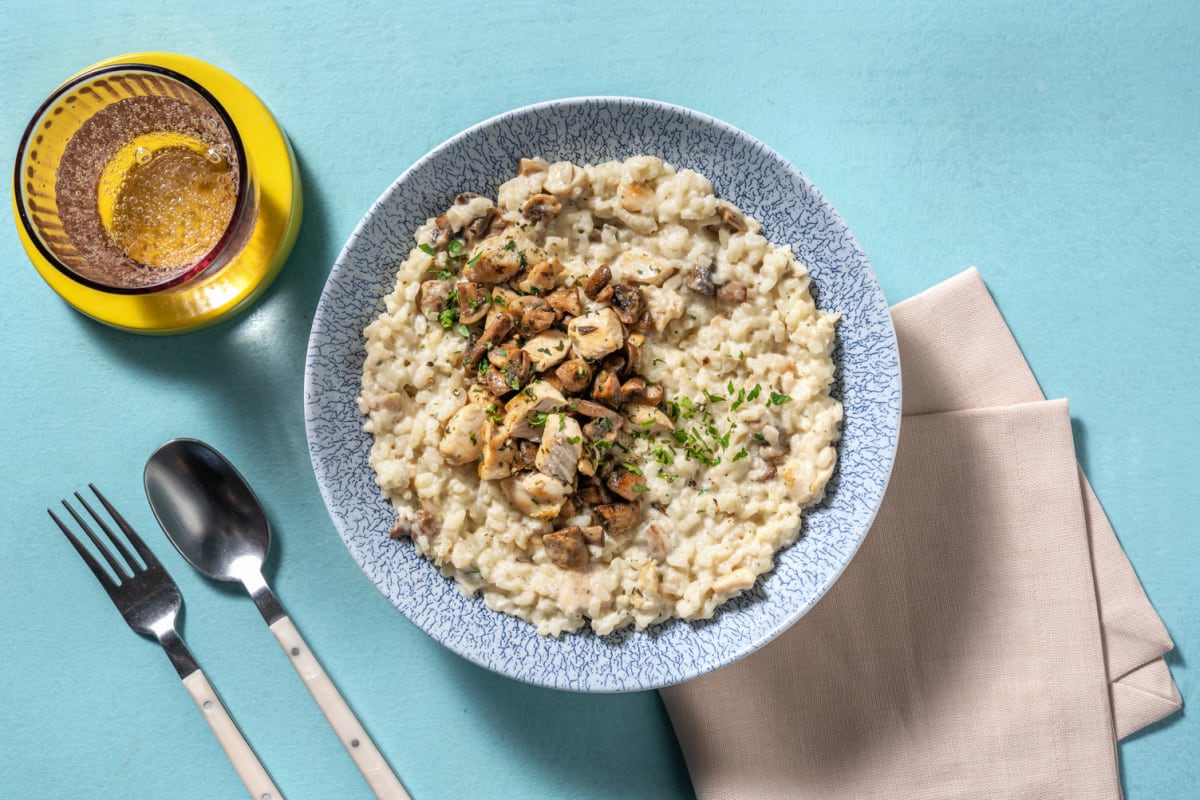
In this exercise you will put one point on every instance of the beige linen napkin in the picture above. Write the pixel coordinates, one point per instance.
(989, 640)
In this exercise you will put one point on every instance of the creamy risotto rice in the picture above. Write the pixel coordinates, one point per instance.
(602, 399)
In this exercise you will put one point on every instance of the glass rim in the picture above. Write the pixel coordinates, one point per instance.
(240, 203)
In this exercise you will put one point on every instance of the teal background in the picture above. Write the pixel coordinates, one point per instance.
(1054, 146)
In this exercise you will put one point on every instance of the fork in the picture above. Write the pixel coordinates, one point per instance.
(150, 601)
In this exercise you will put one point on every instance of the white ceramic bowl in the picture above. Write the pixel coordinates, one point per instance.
(792, 211)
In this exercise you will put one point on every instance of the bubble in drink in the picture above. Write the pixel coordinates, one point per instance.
(143, 155)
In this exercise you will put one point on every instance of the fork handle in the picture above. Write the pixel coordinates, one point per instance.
(358, 744)
(248, 767)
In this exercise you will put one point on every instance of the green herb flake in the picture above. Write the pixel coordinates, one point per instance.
(740, 455)
(426, 249)
(455, 247)
(777, 399)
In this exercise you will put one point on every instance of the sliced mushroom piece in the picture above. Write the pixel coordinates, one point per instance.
(548, 349)
(596, 334)
(602, 430)
(531, 166)
(633, 389)
(632, 351)
(536, 317)
(517, 370)
(648, 419)
(541, 208)
(499, 354)
(497, 459)
(593, 534)
(526, 454)
(656, 546)
(625, 483)
(496, 382)
(540, 276)
(462, 437)
(482, 225)
(617, 517)
(494, 332)
(444, 232)
(607, 388)
(729, 215)
(592, 491)
(599, 278)
(700, 279)
(653, 395)
(575, 375)
(565, 301)
(536, 398)
(432, 297)
(732, 292)
(536, 494)
(627, 302)
(561, 448)
(566, 548)
(473, 301)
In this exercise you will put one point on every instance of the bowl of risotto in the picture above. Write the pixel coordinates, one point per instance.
(602, 394)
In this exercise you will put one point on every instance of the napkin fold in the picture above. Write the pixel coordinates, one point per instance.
(989, 639)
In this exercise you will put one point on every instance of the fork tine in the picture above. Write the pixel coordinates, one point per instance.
(147, 555)
(133, 566)
(92, 563)
(104, 550)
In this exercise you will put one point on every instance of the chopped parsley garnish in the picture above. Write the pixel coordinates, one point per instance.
(777, 399)
(455, 247)
(426, 249)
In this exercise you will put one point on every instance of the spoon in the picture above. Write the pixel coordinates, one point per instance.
(216, 522)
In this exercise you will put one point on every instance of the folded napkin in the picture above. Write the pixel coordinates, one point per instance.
(990, 638)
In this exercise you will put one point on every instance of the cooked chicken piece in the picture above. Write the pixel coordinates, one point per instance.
(501, 257)
(473, 301)
(539, 277)
(520, 412)
(607, 388)
(541, 207)
(599, 278)
(648, 419)
(498, 455)
(566, 547)
(504, 302)
(536, 317)
(596, 334)
(732, 292)
(536, 494)
(480, 396)
(562, 446)
(499, 354)
(628, 303)
(548, 349)
(575, 375)
(433, 296)
(617, 517)
(565, 301)
(637, 267)
(462, 438)
(625, 483)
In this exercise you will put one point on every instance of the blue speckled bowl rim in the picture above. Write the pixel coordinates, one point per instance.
(532, 672)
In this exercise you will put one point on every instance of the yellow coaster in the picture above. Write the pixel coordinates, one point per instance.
(207, 300)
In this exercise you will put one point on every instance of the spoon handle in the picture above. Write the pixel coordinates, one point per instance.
(358, 744)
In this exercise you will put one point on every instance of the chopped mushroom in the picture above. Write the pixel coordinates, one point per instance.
(700, 279)
(617, 517)
(593, 534)
(482, 225)
(473, 301)
(574, 375)
(493, 334)
(626, 483)
(596, 334)
(732, 292)
(562, 446)
(731, 216)
(433, 296)
(597, 281)
(462, 438)
(541, 208)
(607, 388)
(627, 302)
(566, 547)
(648, 419)
(536, 317)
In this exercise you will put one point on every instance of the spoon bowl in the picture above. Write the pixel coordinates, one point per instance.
(208, 510)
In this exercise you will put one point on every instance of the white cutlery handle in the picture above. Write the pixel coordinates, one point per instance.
(366, 755)
(248, 767)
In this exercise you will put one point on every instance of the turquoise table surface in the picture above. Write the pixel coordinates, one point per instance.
(1054, 146)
